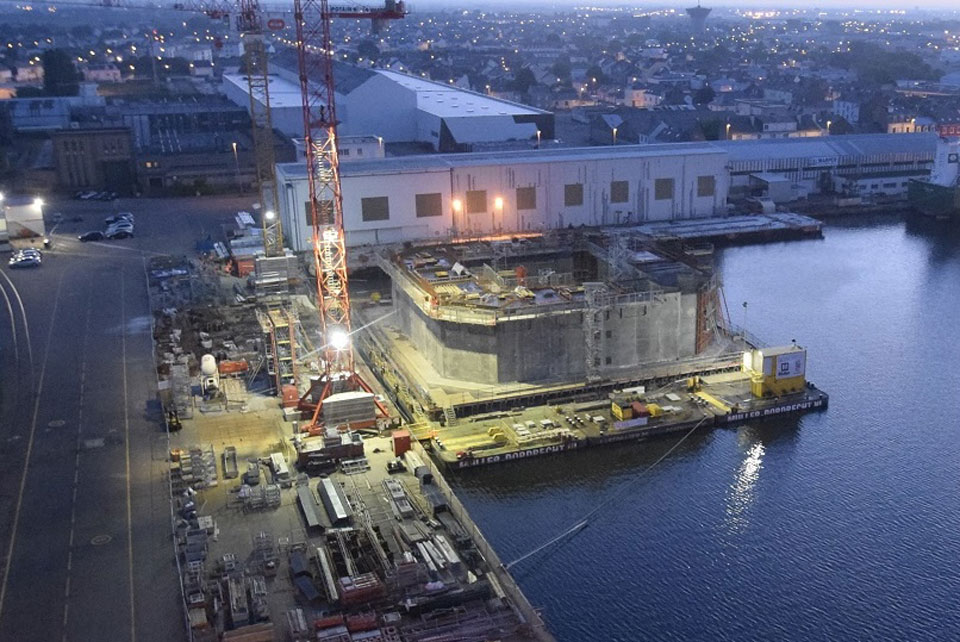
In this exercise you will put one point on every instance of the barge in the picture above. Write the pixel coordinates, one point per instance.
(770, 383)
(812, 399)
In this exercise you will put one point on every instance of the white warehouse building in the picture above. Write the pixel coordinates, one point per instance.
(399, 108)
(410, 198)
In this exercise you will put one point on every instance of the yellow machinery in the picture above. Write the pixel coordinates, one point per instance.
(776, 371)
(621, 409)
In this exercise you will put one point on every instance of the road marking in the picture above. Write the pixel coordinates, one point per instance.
(126, 439)
(26, 325)
(26, 460)
(76, 461)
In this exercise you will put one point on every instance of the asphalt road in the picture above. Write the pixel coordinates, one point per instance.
(85, 545)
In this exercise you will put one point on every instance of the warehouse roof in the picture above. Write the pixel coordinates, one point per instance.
(829, 146)
(283, 93)
(444, 162)
(445, 101)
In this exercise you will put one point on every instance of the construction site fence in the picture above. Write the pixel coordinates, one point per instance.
(734, 330)
(530, 616)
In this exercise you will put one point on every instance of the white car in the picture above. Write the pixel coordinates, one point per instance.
(117, 218)
(24, 261)
(120, 225)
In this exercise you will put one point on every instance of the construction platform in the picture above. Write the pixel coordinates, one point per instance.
(579, 421)
(275, 539)
(404, 563)
(743, 228)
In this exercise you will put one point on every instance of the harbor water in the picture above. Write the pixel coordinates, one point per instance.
(840, 525)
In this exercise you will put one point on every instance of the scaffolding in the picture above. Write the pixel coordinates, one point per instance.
(594, 317)
(280, 331)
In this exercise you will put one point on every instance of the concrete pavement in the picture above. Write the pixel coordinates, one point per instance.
(86, 552)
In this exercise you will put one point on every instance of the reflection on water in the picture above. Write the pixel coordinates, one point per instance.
(741, 492)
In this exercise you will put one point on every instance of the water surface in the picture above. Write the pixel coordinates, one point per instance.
(832, 526)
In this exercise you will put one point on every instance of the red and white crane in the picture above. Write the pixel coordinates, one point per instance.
(317, 88)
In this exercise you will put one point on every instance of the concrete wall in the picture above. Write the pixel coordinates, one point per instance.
(402, 225)
(551, 178)
(458, 351)
(550, 346)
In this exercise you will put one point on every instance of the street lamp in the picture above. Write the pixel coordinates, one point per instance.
(457, 206)
(614, 135)
(829, 122)
(728, 131)
(270, 215)
(538, 139)
(236, 162)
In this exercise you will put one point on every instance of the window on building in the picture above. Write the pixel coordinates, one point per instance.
(359, 151)
(663, 189)
(375, 208)
(706, 185)
(619, 191)
(345, 151)
(573, 195)
(526, 198)
(429, 205)
(476, 201)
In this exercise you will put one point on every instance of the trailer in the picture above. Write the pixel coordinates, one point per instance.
(230, 469)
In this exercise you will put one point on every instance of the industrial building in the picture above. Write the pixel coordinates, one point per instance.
(428, 197)
(414, 198)
(94, 157)
(796, 167)
(447, 118)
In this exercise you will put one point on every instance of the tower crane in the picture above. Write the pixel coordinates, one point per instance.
(315, 57)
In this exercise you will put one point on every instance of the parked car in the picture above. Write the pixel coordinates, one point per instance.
(29, 260)
(27, 251)
(95, 235)
(120, 234)
(118, 227)
(116, 218)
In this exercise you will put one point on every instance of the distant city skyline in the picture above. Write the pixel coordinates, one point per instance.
(566, 5)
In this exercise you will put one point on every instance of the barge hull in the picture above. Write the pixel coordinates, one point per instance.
(813, 400)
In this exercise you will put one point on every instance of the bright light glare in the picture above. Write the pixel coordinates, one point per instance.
(38, 203)
(270, 215)
(498, 203)
(457, 205)
(339, 339)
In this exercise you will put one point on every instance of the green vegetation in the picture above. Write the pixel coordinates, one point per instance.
(59, 75)
(876, 66)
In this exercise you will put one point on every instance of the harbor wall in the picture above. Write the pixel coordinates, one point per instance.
(536, 627)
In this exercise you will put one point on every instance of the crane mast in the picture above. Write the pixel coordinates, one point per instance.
(317, 88)
(250, 26)
(323, 180)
